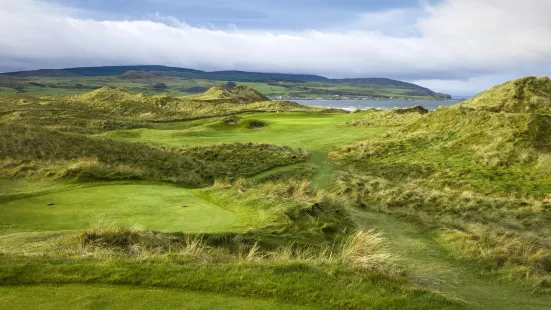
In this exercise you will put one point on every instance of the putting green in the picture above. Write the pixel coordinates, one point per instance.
(153, 206)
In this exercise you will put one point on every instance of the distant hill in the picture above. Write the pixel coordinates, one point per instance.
(382, 82)
(280, 85)
(169, 71)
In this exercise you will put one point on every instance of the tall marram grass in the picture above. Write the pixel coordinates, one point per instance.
(363, 249)
(507, 235)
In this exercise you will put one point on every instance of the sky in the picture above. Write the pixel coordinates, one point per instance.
(460, 47)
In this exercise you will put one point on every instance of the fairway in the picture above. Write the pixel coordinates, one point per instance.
(122, 297)
(153, 206)
(313, 132)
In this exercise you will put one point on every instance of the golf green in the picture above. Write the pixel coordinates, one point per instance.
(152, 206)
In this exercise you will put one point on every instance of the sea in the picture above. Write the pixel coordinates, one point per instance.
(352, 105)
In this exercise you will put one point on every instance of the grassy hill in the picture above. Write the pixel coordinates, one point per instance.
(526, 95)
(240, 94)
(482, 164)
(115, 108)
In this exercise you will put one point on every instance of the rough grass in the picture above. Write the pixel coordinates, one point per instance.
(288, 209)
(27, 151)
(506, 235)
(321, 286)
(109, 108)
(387, 118)
(469, 149)
(477, 178)
(239, 94)
(347, 274)
(477, 170)
(476, 173)
(279, 261)
(525, 95)
(245, 159)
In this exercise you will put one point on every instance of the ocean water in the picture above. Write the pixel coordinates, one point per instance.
(378, 104)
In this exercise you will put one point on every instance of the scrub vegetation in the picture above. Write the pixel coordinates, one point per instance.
(252, 203)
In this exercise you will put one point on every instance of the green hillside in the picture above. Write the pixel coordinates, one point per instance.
(482, 164)
(526, 95)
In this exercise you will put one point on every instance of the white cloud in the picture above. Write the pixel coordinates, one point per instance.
(455, 43)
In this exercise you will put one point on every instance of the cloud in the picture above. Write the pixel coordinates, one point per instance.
(449, 42)
(392, 22)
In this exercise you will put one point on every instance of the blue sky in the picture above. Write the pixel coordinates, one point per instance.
(459, 47)
(246, 14)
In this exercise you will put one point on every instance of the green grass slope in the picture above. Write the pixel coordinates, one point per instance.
(481, 174)
(27, 152)
(239, 94)
(525, 95)
(109, 108)
(245, 159)
(34, 152)
(387, 118)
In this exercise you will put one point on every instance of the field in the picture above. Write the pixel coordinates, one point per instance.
(288, 209)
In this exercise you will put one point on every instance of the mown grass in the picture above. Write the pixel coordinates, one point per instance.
(78, 296)
(156, 206)
(309, 131)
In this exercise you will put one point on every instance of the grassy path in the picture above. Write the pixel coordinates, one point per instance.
(431, 266)
(123, 297)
